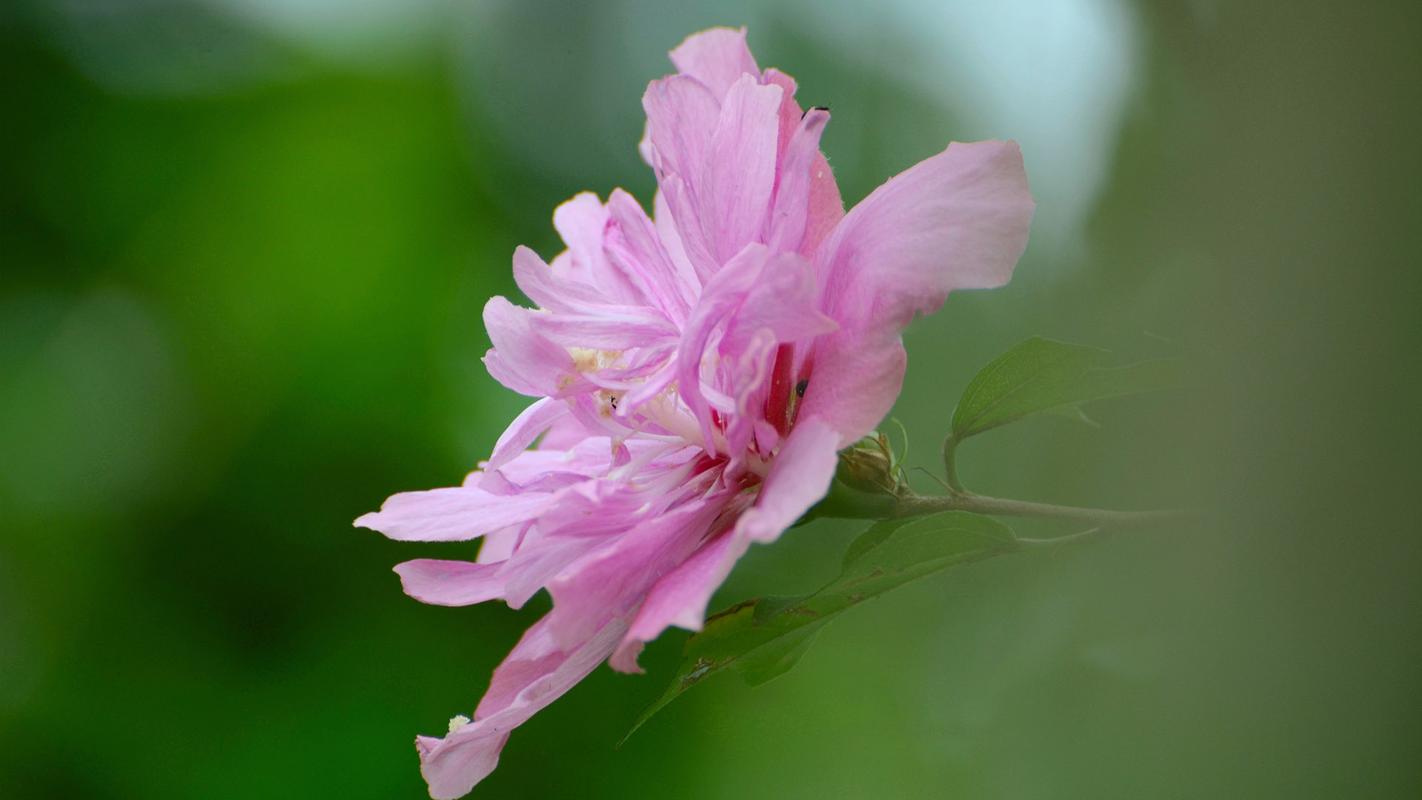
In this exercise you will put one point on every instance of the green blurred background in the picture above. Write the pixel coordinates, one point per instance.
(243, 251)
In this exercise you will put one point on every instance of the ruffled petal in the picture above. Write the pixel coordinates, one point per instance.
(681, 596)
(607, 328)
(824, 208)
(666, 232)
(582, 222)
(857, 377)
(958, 220)
(781, 299)
(453, 514)
(450, 583)
(536, 673)
(526, 427)
(499, 545)
(634, 246)
(734, 196)
(716, 57)
(612, 580)
(681, 119)
(723, 293)
(545, 287)
(799, 478)
(792, 193)
(521, 358)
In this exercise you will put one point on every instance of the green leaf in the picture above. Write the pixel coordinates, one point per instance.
(1042, 375)
(764, 638)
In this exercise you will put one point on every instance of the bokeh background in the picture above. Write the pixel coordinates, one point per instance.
(243, 250)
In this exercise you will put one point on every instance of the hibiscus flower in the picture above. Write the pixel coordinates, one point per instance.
(696, 373)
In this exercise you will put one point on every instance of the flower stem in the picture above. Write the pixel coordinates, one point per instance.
(915, 505)
(950, 464)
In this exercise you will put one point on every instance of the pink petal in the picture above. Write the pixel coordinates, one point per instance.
(634, 247)
(681, 596)
(450, 583)
(799, 478)
(499, 545)
(792, 194)
(536, 563)
(612, 580)
(857, 377)
(607, 328)
(790, 112)
(535, 674)
(958, 220)
(521, 359)
(681, 119)
(782, 300)
(734, 196)
(565, 433)
(722, 294)
(755, 357)
(540, 283)
(670, 238)
(450, 515)
(588, 458)
(582, 222)
(685, 218)
(826, 207)
(525, 428)
(716, 57)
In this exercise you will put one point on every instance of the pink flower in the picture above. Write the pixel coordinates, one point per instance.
(696, 373)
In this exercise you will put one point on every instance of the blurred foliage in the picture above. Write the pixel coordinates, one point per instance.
(764, 638)
(241, 269)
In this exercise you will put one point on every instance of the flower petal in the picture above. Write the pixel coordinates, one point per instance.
(681, 596)
(608, 328)
(535, 674)
(792, 194)
(452, 514)
(856, 379)
(582, 222)
(499, 545)
(548, 289)
(799, 478)
(716, 57)
(722, 294)
(665, 225)
(450, 583)
(612, 580)
(521, 358)
(525, 428)
(826, 206)
(958, 220)
(782, 300)
(681, 119)
(734, 196)
(634, 247)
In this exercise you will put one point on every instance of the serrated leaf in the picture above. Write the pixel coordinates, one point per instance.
(1042, 375)
(764, 638)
